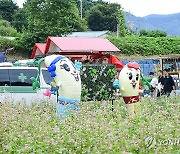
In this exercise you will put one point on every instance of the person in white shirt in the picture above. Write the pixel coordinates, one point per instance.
(154, 84)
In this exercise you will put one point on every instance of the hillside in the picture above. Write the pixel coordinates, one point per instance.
(168, 23)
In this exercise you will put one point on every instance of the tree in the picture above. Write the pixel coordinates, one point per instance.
(6, 29)
(7, 9)
(153, 33)
(143, 32)
(51, 17)
(20, 20)
(86, 5)
(106, 16)
(157, 33)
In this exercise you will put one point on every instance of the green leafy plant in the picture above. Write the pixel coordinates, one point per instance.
(84, 94)
(104, 95)
(97, 80)
(92, 72)
(111, 72)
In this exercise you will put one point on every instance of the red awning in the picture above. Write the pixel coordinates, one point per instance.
(39, 49)
(117, 62)
(69, 44)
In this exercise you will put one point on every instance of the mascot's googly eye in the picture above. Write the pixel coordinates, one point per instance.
(65, 66)
(137, 77)
(130, 76)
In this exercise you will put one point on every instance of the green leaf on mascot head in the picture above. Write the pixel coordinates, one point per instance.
(35, 83)
(32, 79)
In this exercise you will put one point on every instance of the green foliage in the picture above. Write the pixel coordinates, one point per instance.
(53, 18)
(121, 24)
(26, 43)
(20, 20)
(86, 5)
(105, 16)
(131, 45)
(153, 33)
(47, 18)
(6, 29)
(7, 9)
(95, 128)
(5, 23)
(97, 82)
(5, 43)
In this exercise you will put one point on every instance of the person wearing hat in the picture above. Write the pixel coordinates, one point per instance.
(154, 84)
(169, 84)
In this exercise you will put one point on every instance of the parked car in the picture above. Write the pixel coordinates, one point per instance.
(16, 86)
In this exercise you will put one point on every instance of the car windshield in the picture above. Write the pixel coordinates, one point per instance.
(47, 77)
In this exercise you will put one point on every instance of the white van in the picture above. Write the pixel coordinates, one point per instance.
(16, 86)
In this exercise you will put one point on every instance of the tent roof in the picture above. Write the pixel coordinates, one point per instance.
(117, 62)
(88, 34)
(70, 44)
(40, 47)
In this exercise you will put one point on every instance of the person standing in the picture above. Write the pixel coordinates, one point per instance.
(160, 83)
(169, 84)
(154, 84)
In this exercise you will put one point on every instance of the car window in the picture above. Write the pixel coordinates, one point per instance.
(47, 77)
(4, 78)
(21, 77)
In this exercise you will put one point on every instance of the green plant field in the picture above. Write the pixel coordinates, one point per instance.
(145, 46)
(93, 129)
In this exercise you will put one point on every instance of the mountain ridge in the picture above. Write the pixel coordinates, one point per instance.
(168, 23)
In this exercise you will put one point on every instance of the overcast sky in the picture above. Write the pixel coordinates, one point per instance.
(144, 7)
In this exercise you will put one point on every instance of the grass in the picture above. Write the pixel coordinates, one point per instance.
(93, 129)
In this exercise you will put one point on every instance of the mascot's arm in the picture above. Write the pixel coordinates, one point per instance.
(116, 84)
(140, 89)
(122, 89)
(53, 84)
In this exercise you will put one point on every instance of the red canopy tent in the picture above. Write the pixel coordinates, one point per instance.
(39, 49)
(70, 44)
(117, 62)
(78, 47)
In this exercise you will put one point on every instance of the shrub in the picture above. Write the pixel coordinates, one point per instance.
(131, 45)
(26, 43)
(153, 33)
(97, 82)
(5, 23)
(6, 43)
(6, 29)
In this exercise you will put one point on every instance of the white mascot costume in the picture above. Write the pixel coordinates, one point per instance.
(67, 79)
(129, 78)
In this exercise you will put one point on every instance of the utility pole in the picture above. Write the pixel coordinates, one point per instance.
(117, 30)
(81, 7)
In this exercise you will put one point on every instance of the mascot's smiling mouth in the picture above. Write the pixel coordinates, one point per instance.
(76, 76)
(133, 85)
